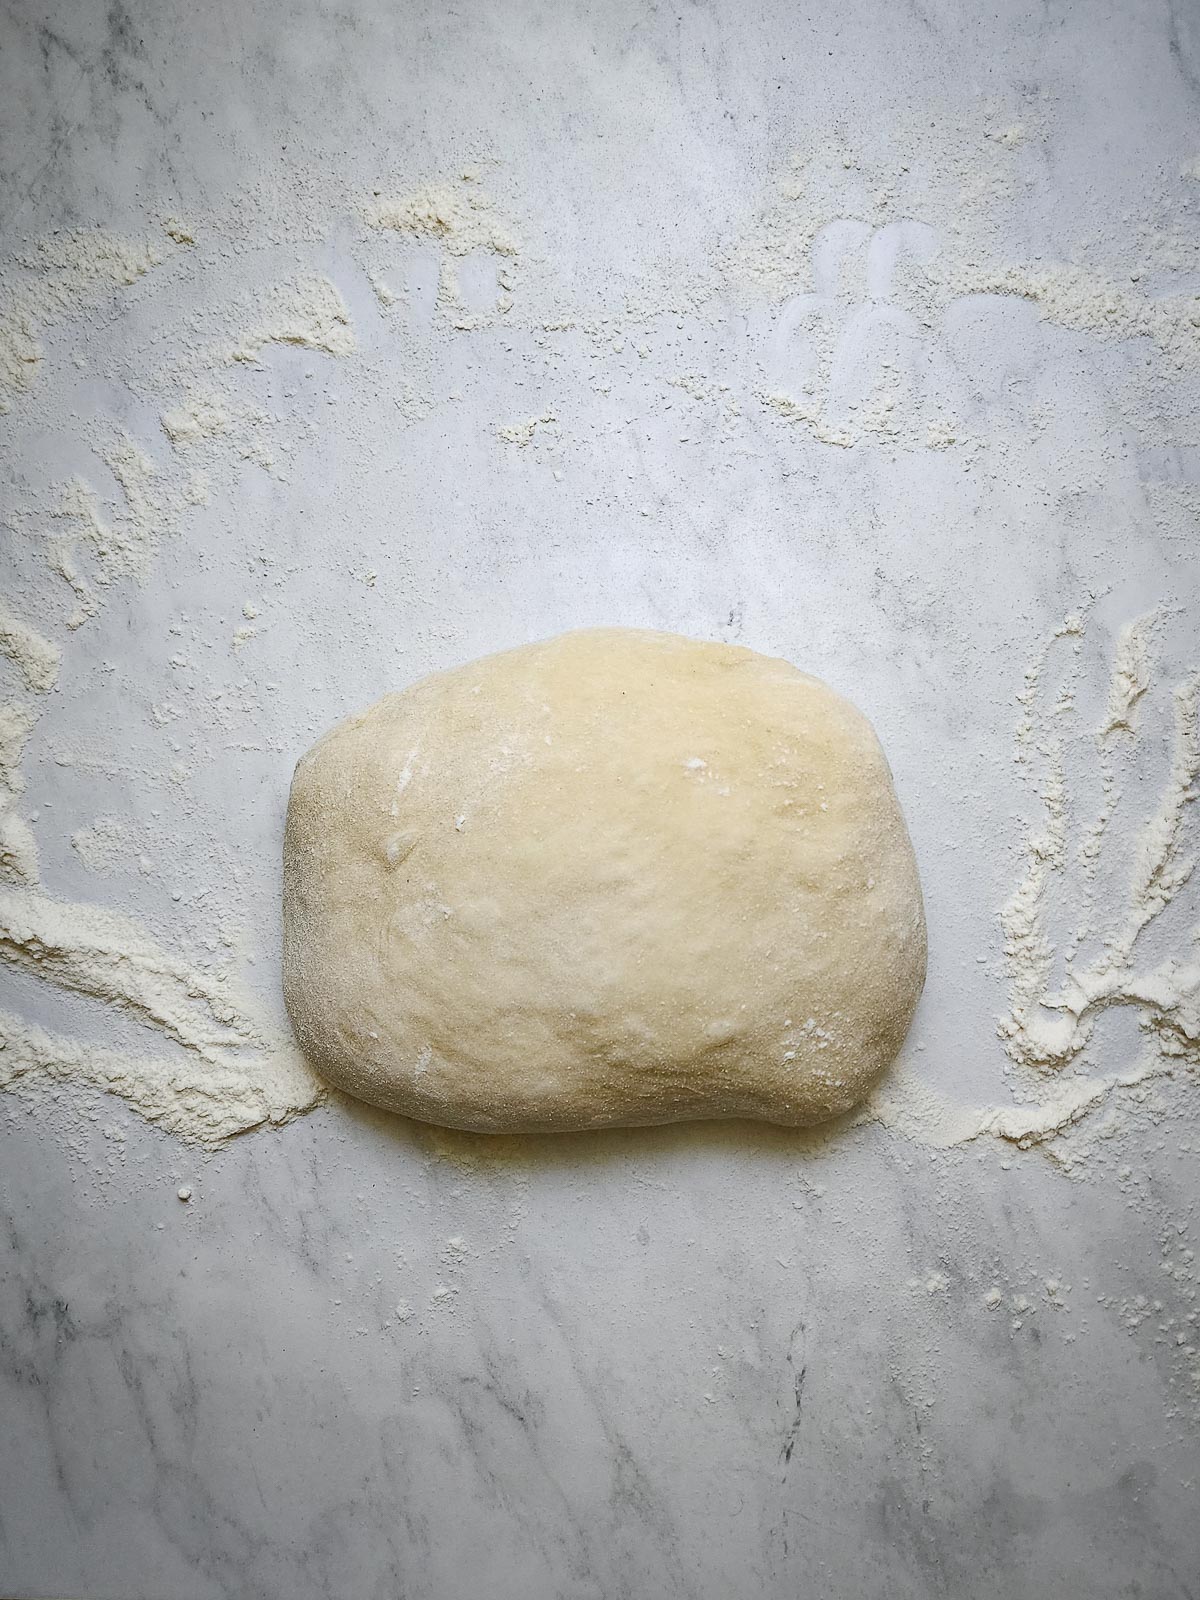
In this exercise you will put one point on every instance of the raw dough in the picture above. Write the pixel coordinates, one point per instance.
(617, 877)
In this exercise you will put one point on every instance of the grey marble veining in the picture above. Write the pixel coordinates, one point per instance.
(366, 1359)
(637, 1376)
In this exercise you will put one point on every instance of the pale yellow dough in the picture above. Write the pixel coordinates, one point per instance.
(617, 877)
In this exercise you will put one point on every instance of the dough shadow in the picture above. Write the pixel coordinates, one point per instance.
(595, 1147)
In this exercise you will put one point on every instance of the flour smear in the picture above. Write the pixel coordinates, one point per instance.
(1049, 1023)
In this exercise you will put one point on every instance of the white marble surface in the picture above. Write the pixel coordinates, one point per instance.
(702, 1362)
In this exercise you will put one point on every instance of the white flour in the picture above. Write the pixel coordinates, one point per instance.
(196, 418)
(61, 560)
(457, 215)
(18, 850)
(16, 722)
(521, 433)
(308, 312)
(123, 539)
(36, 658)
(809, 413)
(233, 1074)
(1131, 675)
(226, 1069)
(834, 199)
(234, 1092)
(96, 952)
(103, 845)
(64, 276)
(1079, 299)
(1047, 1027)
(461, 220)
(910, 1107)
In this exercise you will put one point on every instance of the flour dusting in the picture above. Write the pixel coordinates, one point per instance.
(93, 951)
(239, 1074)
(35, 657)
(1049, 1025)
(16, 724)
(522, 433)
(103, 845)
(308, 312)
(938, 183)
(64, 276)
(18, 849)
(459, 216)
(460, 219)
(196, 418)
(1130, 675)
(233, 1094)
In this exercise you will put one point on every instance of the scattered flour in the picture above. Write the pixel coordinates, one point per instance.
(196, 418)
(1160, 868)
(65, 276)
(936, 200)
(891, 415)
(521, 433)
(62, 562)
(18, 850)
(233, 1073)
(1047, 1028)
(35, 657)
(920, 1114)
(225, 1070)
(123, 539)
(93, 951)
(1081, 300)
(461, 219)
(934, 1282)
(457, 215)
(124, 546)
(309, 312)
(384, 293)
(16, 724)
(455, 1252)
(810, 414)
(207, 1108)
(1130, 676)
(79, 508)
(1009, 137)
(103, 845)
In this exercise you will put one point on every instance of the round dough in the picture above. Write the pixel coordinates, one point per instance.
(617, 877)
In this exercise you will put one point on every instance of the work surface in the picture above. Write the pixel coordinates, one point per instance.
(339, 344)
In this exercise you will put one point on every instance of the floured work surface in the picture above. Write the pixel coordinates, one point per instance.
(432, 345)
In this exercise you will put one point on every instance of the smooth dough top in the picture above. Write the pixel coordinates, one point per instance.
(617, 877)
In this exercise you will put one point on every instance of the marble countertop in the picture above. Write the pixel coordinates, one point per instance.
(864, 335)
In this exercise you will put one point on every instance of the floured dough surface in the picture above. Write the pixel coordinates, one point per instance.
(617, 877)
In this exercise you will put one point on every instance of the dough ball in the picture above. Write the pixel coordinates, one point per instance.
(617, 877)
